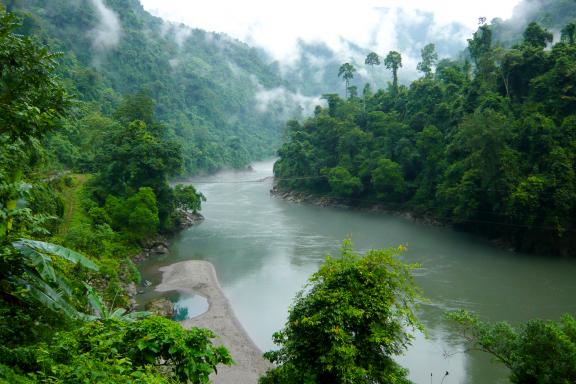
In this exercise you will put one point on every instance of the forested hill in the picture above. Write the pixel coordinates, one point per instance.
(204, 85)
(488, 145)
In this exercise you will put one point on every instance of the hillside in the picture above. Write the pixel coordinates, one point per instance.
(485, 144)
(204, 85)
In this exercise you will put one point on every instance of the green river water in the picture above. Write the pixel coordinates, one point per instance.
(265, 248)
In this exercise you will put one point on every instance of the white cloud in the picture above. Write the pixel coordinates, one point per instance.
(107, 33)
(290, 104)
(277, 26)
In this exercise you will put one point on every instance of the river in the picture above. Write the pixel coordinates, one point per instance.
(264, 249)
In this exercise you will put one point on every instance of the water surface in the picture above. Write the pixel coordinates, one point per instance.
(264, 249)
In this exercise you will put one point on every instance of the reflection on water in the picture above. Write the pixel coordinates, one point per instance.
(264, 249)
(188, 306)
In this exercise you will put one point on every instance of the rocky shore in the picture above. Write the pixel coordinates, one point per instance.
(199, 277)
(327, 201)
(158, 245)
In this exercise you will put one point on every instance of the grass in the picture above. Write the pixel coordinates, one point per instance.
(72, 196)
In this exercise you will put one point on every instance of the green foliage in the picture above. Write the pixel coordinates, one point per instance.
(349, 322)
(136, 215)
(393, 61)
(186, 197)
(536, 36)
(346, 71)
(372, 59)
(203, 85)
(538, 351)
(39, 281)
(154, 350)
(42, 301)
(388, 179)
(343, 183)
(31, 99)
(487, 146)
(429, 58)
(101, 312)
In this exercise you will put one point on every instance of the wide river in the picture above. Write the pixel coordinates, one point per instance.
(264, 249)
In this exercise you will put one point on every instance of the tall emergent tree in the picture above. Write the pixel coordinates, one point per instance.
(372, 59)
(346, 71)
(536, 36)
(393, 61)
(349, 322)
(569, 33)
(429, 58)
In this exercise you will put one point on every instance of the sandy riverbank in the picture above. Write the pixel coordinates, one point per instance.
(200, 277)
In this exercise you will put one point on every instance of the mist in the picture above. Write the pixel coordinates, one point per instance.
(281, 27)
(106, 35)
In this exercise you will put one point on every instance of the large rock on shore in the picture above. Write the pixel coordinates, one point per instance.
(161, 307)
(189, 219)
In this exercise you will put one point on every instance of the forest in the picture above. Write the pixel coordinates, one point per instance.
(202, 84)
(485, 143)
(95, 131)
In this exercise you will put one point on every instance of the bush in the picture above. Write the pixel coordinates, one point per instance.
(348, 323)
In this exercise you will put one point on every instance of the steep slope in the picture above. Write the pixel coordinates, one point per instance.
(204, 85)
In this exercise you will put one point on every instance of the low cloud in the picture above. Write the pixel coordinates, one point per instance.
(285, 103)
(106, 35)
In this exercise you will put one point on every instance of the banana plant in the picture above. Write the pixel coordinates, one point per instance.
(44, 283)
(101, 312)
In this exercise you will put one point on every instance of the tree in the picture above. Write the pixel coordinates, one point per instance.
(186, 197)
(536, 36)
(372, 59)
(133, 157)
(568, 33)
(343, 183)
(32, 100)
(348, 322)
(31, 97)
(388, 180)
(538, 351)
(393, 61)
(346, 71)
(429, 58)
(136, 215)
(480, 44)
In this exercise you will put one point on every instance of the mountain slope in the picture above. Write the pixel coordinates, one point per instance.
(204, 85)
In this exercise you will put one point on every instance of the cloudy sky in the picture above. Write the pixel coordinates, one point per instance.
(276, 25)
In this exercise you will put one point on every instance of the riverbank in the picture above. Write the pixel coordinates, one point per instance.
(300, 197)
(366, 206)
(199, 277)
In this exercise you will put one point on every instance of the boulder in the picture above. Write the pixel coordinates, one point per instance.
(161, 307)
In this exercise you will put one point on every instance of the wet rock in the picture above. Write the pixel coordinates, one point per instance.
(132, 291)
(161, 307)
(160, 249)
(189, 219)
